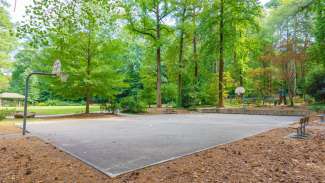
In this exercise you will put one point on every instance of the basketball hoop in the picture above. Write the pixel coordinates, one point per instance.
(240, 90)
(57, 71)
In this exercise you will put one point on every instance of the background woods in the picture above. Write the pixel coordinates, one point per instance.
(137, 53)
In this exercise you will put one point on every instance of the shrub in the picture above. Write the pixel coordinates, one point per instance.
(309, 100)
(132, 105)
(110, 107)
(4, 113)
(315, 83)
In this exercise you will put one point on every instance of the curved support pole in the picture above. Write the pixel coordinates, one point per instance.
(26, 95)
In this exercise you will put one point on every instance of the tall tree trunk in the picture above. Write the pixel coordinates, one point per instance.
(88, 100)
(302, 64)
(196, 64)
(158, 57)
(221, 54)
(88, 91)
(180, 61)
(291, 74)
(158, 77)
(180, 77)
(194, 42)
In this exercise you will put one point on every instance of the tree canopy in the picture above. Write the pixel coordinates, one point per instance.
(181, 53)
(7, 40)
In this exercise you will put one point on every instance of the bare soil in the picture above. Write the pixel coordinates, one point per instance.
(8, 129)
(267, 157)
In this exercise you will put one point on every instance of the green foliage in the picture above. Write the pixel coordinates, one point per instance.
(132, 104)
(169, 91)
(77, 34)
(316, 83)
(4, 113)
(7, 41)
(317, 49)
(124, 51)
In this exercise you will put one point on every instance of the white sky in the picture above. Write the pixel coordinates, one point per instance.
(20, 8)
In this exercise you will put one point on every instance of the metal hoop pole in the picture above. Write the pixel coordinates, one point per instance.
(26, 95)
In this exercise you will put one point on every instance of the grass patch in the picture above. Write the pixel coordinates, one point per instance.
(52, 110)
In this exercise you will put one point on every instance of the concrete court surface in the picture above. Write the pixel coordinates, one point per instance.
(121, 144)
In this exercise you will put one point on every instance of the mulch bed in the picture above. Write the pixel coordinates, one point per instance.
(267, 157)
(8, 129)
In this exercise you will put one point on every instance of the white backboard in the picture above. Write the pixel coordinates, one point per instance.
(57, 68)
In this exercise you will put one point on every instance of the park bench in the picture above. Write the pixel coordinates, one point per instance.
(269, 99)
(301, 128)
(322, 118)
(21, 115)
(169, 110)
(249, 100)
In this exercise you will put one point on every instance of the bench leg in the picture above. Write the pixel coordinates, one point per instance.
(299, 132)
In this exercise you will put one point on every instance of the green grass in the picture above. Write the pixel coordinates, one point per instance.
(51, 110)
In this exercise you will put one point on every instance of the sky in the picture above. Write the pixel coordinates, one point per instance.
(17, 15)
(20, 9)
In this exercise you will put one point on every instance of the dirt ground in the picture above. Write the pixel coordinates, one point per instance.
(267, 157)
(8, 129)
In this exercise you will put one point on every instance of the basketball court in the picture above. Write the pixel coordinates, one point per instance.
(121, 144)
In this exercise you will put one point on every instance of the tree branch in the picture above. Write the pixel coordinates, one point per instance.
(143, 32)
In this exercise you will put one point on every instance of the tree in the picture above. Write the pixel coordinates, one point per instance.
(147, 18)
(7, 41)
(203, 50)
(319, 31)
(221, 53)
(77, 33)
(291, 22)
(316, 83)
(21, 68)
(181, 17)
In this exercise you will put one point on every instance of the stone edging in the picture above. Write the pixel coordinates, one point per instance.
(273, 112)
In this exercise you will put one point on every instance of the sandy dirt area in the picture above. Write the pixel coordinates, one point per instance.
(8, 129)
(267, 157)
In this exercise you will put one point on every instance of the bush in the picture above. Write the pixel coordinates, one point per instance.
(309, 100)
(132, 105)
(298, 99)
(4, 113)
(169, 93)
(110, 107)
(316, 83)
